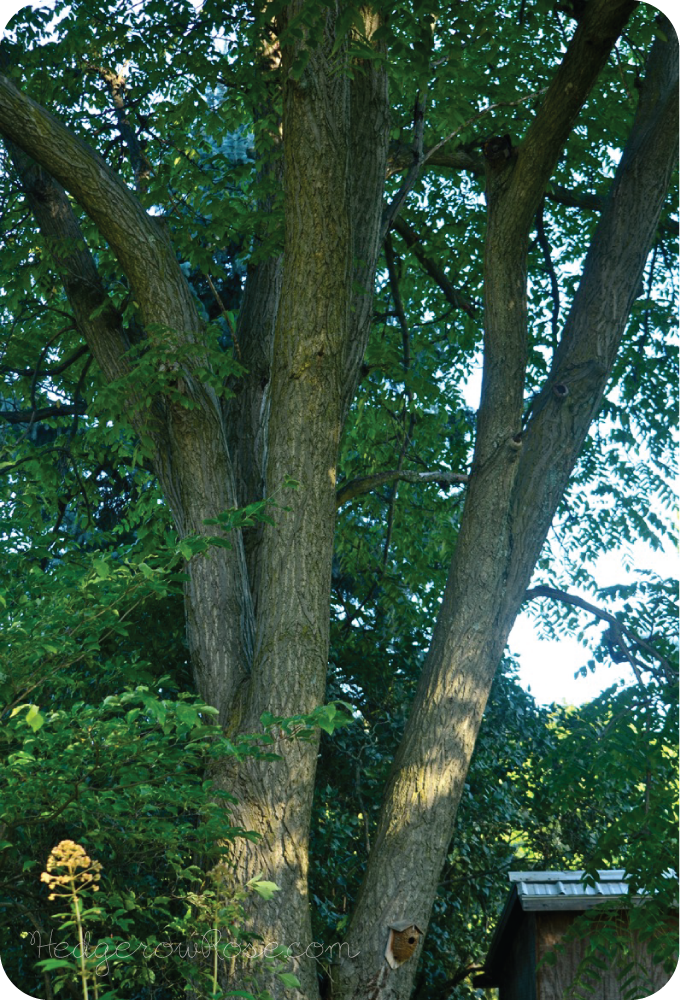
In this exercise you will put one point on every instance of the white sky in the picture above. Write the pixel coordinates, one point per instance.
(548, 668)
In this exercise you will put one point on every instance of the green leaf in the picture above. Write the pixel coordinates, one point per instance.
(33, 717)
(264, 889)
(50, 964)
(289, 980)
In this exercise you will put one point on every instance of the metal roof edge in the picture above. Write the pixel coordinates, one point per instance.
(604, 875)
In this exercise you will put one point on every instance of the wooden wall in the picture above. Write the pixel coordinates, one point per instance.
(553, 980)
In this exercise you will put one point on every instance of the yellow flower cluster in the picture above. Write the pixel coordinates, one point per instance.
(82, 871)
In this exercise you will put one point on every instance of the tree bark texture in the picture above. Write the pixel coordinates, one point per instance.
(335, 147)
(518, 479)
(258, 613)
(190, 455)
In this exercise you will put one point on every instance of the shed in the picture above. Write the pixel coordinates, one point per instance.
(539, 910)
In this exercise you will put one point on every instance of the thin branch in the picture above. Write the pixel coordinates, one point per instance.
(116, 84)
(465, 158)
(453, 295)
(393, 209)
(225, 315)
(366, 484)
(77, 397)
(45, 676)
(406, 433)
(619, 632)
(42, 413)
(81, 484)
(470, 121)
(444, 989)
(21, 461)
(55, 370)
(35, 378)
(360, 802)
(400, 312)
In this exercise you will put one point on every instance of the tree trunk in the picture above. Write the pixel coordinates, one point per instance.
(517, 482)
(335, 150)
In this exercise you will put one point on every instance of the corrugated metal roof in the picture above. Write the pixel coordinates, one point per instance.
(556, 890)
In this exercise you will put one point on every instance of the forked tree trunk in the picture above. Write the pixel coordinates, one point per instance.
(519, 477)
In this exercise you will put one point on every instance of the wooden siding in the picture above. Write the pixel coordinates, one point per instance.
(554, 980)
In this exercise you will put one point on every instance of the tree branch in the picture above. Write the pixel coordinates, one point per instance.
(453, 295)
(434, 150)
(369, 140)
(139, 242)
(366, 484)
(400, 313)
(42, 413)
(496, 547)
(549, 268)
(393, 209)
(466, 158)
(116, 84)
(442, 990)
(52, 370)
(190, 459)
(597, 31)
(516, 181)
(612, 273)
(618, 631)
(95, 317)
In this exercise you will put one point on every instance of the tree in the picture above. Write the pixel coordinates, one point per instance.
(234, 398)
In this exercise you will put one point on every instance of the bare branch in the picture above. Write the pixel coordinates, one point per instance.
(366, 484)
(466, 158)
(52, 370)
(619, 631)
(443, 990)
(390, 257)
(453, 295)
(463, 158)
(116, 84)
(42, 413)
(393, 209)
(549, 268)
(224, 313)
(430, 155)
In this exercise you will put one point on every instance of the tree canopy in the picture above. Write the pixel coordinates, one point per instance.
(261, 554)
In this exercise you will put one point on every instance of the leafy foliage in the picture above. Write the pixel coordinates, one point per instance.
(130, 772)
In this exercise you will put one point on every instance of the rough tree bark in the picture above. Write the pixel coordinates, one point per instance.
(335, 148)
(518, 478)
(258, 618)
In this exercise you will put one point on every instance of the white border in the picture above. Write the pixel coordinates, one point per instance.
(685, 16)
